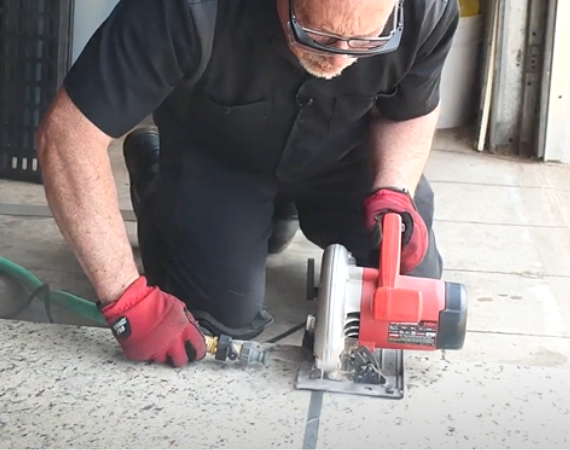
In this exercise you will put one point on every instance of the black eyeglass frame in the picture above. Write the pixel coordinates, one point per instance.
(299, 36)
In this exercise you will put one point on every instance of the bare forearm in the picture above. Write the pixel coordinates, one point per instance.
(401, 150)
(81, 192)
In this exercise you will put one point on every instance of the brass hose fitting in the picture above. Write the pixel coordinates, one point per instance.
(224, 347)
(211, 345)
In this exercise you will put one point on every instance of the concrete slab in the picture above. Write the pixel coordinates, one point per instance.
(69, 387)
(556, 176)
(514, 349)
(37, 245)
(469, 167)
(21, 193)
(505, 249)
(506, 205)
(516, 305)
(453, 160)
(457, 405)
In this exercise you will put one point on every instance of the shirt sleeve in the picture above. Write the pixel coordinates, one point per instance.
(418, 93)
(133, 62)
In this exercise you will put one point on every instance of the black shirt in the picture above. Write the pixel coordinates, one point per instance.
(253, 105)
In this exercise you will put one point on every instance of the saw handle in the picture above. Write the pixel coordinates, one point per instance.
(391, 301)
(390, 250)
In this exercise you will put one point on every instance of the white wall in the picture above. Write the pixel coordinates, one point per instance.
(556, 123)
(89, 14)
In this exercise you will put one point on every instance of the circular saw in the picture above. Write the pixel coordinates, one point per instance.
(367, 317)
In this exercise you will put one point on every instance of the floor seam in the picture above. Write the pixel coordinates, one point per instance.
(500, 185)
(313, 419)
(311, 437)
(529, 275)
(509, 333)
(502, 224)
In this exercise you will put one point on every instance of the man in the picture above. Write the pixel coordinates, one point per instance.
(321, 110)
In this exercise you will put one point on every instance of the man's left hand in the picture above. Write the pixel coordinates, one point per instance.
(415, 237)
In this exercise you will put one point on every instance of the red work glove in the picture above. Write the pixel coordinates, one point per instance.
(151, 325)
(415, 237)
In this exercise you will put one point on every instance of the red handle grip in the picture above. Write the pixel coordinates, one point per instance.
(390, 250)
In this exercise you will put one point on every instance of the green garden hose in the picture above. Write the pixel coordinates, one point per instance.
(80, 306)
(41, 290)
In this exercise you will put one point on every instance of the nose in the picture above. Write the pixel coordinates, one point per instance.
(340, 60)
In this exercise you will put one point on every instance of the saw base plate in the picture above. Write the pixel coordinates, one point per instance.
(392, 386)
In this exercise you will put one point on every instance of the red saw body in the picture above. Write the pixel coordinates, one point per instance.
(406, 312)
(366, 318)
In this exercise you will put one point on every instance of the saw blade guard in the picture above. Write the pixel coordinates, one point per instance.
(338, 307)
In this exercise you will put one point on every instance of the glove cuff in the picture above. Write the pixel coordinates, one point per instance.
(385, 200)
(134, 294)
(394, 189)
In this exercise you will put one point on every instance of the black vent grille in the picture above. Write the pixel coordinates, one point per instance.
(35, 48)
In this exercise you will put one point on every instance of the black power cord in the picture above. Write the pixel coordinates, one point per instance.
(280, 337)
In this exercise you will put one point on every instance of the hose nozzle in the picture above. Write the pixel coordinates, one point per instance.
(224, 347)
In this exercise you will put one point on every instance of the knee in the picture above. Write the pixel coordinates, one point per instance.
(432, 264)
(424, 192)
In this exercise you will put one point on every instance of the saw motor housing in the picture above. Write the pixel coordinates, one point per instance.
(372, 310)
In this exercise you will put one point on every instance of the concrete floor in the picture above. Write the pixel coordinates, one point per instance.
(503, 228)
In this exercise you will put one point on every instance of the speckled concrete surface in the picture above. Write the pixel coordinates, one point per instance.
(457, 405)
(69, 387)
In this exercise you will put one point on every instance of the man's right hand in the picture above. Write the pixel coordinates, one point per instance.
(151, 325)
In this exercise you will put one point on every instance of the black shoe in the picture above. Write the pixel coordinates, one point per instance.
(246, 333)
(284, 231)
(141, 150)
(285, 226)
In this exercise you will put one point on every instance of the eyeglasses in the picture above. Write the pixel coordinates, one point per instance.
(359, 46)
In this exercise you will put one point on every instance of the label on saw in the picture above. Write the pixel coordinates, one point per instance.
(423, 333)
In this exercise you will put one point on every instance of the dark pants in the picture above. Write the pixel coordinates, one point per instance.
(203, 232)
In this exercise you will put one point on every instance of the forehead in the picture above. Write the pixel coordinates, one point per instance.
(344, 17)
